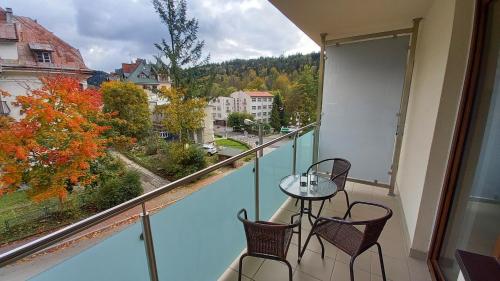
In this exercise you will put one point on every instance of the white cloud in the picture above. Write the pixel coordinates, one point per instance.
(109, 32)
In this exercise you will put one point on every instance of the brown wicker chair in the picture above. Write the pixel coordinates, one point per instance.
(344, 235)
(340, 170)
(267, 240)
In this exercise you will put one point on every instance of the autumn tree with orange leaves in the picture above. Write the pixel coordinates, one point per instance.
(50, 149)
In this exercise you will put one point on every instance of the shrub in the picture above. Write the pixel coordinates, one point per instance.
(178, 161)
(113, 185)
(152, 144)
(118, 190)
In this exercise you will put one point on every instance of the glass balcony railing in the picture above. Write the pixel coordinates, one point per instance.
(195, 238)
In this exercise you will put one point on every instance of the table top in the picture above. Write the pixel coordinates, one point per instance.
(323, 189)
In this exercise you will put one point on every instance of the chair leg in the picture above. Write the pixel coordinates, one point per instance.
(290, 272)
(351, 267)
(347, 200)
(296, 201)
(241, 266)
(322, 247)
(381, 261)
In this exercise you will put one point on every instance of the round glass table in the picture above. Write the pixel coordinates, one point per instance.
(308, 188)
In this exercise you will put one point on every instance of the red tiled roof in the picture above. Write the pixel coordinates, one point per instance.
(27, 31)
(259, 94)
(129, 67)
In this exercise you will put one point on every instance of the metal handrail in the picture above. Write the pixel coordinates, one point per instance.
(59, 235)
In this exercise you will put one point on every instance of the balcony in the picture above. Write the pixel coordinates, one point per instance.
(335, 266)
(200, 238)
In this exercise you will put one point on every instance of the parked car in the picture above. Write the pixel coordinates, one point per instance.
(209, 148)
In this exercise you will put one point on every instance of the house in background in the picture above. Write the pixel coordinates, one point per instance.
(29, 51)
(259, 104)
(146, 76)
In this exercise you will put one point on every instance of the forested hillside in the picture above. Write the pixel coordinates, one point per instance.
(294, 77)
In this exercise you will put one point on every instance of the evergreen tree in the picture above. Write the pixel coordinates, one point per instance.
(278, 116)
(181, 53)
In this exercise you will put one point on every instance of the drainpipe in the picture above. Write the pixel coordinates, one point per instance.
(319, 101)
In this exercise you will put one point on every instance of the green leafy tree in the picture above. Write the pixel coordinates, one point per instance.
(307, 88)
(181, 54)
(183, 115)
(236, 119)
(130, 104)
(278, 116)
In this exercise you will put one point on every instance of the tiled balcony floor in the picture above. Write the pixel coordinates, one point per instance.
(335, 266)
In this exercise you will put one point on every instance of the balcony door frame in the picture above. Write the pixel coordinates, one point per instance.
(476, 54)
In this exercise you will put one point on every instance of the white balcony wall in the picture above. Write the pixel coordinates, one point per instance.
(440, 63)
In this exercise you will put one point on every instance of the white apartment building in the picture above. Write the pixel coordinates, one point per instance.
(259, 104)
(221, 107)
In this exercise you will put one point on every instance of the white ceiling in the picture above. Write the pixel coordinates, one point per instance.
(344, 18)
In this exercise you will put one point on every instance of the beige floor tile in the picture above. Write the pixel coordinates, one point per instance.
(341, 273)
(301, 276)
(250, 265)
(292, 255)
(232, 275)
(392, 247)
(378, 278)
(283, 216)
(272, 270)
(418, 270)
(362, 262)
(312, 264)
(395, 269)
(330, 250)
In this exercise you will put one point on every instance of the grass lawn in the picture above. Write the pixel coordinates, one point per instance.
(20, 217)
(231, 143)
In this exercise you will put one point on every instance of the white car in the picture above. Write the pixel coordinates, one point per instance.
(210, 148)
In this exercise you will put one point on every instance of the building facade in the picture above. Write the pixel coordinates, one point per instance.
(259, 104)
(29, 51)
(221, 108)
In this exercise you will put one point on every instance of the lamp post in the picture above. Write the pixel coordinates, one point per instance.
(250, 122)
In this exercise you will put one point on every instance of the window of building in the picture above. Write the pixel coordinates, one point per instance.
(219, 115)
(254, 107)
(258, 113)
(264, 106)
(259, 99)
(254, 114)
(264, 113)
(43, 57)
(253, 99)
(259, 107)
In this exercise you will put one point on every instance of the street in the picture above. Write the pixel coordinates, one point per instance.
(248, 138)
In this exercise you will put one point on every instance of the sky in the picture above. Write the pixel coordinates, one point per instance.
(109, 32)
